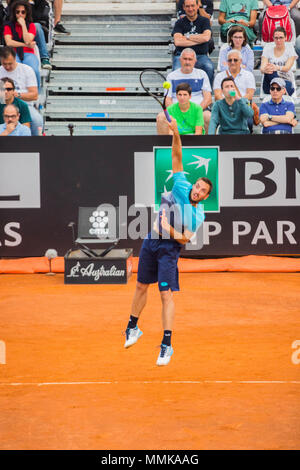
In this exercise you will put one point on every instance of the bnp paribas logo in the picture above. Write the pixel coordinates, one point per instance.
(197, 162)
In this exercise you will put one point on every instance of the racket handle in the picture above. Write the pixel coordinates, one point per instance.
(167, 115)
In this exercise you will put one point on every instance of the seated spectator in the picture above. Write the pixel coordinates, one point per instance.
(12, 126)
(206, 9)
(291, 6)
(231, 113)
(193, 31)
(19, 33)
(277, 115)
(25, 83)
(277, 60)
(39, 37)
(241, 14)
(244, 80)
(199, 83)
(237, 39)
(9, 97)
(189, 116)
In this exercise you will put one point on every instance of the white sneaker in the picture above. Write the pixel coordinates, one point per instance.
(132, 335)
(164, 355)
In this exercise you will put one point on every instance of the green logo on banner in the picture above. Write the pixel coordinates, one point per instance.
(197, 162)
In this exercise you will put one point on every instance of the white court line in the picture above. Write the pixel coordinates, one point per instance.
(151, 382)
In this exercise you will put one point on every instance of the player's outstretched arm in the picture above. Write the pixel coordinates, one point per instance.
(176, 147)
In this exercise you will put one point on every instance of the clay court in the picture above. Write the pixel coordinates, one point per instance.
(233, 381)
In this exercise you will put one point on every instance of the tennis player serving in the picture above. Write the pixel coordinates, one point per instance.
(180, 216)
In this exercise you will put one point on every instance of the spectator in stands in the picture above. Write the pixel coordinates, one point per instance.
(188, 115)
(277, 60)
(199, 83)
(20, 33)
(193, 31)
(10, 98)
(292, 6)
(206, 9)
(237, 39)
(244, 80)
(58, 26)
(277, 115)
(25, 83)
(12, 126)
(231, 113)
(243, 14)
(39, 36)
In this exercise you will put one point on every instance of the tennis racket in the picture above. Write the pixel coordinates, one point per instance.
(154, 84)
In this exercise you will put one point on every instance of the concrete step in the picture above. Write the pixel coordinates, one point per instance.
(78, 81)
(101, 107)
(130, 31)
(100, 128)
(111, 57)
(128, 8)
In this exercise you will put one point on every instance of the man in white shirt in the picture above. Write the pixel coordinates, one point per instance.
(25, 84)
(199, 83)
(243, 79)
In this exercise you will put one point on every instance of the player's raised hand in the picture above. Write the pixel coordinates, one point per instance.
(173, 125)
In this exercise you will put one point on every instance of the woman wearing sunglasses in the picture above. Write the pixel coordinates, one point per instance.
(20, 32)
(237, 39)
(277, 60)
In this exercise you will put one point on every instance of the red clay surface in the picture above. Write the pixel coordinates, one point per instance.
(68, 382)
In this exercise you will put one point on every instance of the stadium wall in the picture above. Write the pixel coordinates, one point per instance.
(43, 181)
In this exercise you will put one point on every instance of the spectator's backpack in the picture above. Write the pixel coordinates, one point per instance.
(277, 15)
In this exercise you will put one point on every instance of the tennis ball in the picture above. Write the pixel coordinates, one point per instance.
(166, 85)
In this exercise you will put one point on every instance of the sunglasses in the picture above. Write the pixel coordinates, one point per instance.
(277, 88)
(8, 89)
(11, 116)
(21, 11)
(233, 60)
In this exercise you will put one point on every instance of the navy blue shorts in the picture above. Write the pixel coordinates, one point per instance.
(158, 263)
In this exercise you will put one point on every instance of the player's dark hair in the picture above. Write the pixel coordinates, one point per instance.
(226, 79)
(207, 181)
(184, 87)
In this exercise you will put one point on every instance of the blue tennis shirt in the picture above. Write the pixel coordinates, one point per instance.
(180, 212)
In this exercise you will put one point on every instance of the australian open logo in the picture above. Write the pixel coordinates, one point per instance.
(95, 273)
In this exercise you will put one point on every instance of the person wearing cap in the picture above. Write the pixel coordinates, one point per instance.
(277, 116)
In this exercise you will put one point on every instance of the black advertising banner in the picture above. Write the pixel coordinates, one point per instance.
(255, 208)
